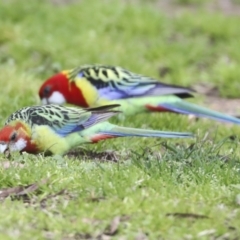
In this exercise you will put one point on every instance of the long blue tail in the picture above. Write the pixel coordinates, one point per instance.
(190, 108)
(135, 132)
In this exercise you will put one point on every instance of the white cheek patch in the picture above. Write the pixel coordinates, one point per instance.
(19, 145)
(3, 147)
(56, 98)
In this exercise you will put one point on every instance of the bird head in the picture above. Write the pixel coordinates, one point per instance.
(12, 139)
(55, 90)
(58, 89)
(16, 137)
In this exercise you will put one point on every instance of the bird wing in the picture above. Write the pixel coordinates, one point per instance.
(63, 120)
(117, 83)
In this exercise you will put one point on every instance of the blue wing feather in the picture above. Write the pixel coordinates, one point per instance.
(68, 129)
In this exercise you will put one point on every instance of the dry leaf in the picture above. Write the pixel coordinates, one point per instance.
(112, 229)
(108, 155)
(21, 190)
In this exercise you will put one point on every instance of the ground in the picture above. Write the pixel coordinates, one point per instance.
(125, 188)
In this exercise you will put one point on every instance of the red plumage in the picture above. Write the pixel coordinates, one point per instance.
(61, 83)
(21, 132)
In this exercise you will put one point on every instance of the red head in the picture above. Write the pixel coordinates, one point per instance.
(15, 138)
(59, 90)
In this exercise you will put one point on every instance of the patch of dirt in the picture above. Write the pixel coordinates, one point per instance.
(213, 100)
(171, 7)
(109, 155)
(207, 89)
(64, 2)
(227, 106)
(227, 7)
(187, 215)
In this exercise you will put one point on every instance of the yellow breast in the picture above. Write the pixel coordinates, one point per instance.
(47, 140)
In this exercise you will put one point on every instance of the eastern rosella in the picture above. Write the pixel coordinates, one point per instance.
(96, 85)
(55, 129)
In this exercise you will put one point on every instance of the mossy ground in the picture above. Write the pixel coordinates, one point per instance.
(146, 186)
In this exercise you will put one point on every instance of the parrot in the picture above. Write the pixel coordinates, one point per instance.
(55, 129)
(98, 85)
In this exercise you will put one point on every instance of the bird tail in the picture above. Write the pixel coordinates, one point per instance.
(184, 107)
(117, 131)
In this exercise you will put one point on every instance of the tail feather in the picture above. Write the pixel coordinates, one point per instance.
(184, 107)
(117, 131)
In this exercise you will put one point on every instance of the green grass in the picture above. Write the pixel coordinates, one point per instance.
(151, 178)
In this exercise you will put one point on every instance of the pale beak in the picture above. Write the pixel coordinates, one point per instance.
(7, 153)
(3, 147)
(44, 101)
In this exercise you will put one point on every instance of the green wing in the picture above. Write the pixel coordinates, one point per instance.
(117, 83)
(63, 120)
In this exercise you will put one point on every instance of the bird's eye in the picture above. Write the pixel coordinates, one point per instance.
(46, 90)
(13, 136)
